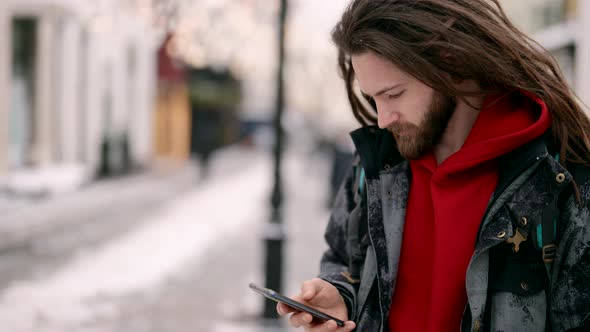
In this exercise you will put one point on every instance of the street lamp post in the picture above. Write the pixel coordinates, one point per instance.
(275, 234)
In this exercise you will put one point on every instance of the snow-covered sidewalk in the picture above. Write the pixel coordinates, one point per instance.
(82, 295)
(22, 222)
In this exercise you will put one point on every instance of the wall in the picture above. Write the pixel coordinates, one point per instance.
(95, 75)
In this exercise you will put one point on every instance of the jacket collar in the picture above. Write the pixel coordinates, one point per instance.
(378, 152)
(514, 163)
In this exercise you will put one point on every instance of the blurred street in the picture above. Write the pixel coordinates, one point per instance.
(183, 265)
(141, 141)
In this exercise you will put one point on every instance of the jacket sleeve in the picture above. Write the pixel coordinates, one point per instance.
(336, 258)
(570, 300)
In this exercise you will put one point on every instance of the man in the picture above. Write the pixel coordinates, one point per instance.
(467, 207)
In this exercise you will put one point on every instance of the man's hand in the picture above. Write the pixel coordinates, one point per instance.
(323, 296)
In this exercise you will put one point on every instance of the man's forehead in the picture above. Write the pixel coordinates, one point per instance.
(376, 74)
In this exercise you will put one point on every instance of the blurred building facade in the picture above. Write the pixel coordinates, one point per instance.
(172, 117)
(560, 26)
(75, 77)
(196, 108)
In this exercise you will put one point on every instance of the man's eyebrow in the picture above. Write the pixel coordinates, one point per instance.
(384, 90)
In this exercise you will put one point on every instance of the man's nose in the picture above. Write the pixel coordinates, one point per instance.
(386, 118)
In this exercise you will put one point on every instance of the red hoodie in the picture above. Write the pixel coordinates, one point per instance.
(445, 206)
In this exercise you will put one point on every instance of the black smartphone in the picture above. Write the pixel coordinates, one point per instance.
(270, 294)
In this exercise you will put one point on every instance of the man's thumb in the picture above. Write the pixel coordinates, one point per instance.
(308, 290)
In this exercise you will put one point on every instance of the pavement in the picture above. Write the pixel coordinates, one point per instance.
(185, 265)
(24, 223)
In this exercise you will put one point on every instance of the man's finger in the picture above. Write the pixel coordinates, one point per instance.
(284, 309)
(300, 319)
(331, 325)
(349, 326)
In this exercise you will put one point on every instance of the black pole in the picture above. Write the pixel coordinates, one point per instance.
(275, 234)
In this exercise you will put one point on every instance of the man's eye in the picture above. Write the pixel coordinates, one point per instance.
(368, 98)
(396, 95)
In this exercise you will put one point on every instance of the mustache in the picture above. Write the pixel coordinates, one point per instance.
(399, 127)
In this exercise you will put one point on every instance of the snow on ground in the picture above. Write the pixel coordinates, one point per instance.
(141, 259)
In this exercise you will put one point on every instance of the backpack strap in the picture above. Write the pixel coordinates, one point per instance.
(545, 233)
(545, 239)
(546, 236)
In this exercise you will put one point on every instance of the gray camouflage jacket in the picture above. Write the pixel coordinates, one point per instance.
(506, 291)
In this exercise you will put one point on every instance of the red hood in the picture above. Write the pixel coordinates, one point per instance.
(503, 125)
(431, 275)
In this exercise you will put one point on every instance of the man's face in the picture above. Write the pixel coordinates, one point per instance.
(413, 112)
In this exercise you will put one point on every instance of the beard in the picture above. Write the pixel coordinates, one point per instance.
(414, 140)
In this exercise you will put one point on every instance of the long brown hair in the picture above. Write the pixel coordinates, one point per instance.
(440, 41)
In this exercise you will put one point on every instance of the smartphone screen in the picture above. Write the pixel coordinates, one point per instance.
(270, 294)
